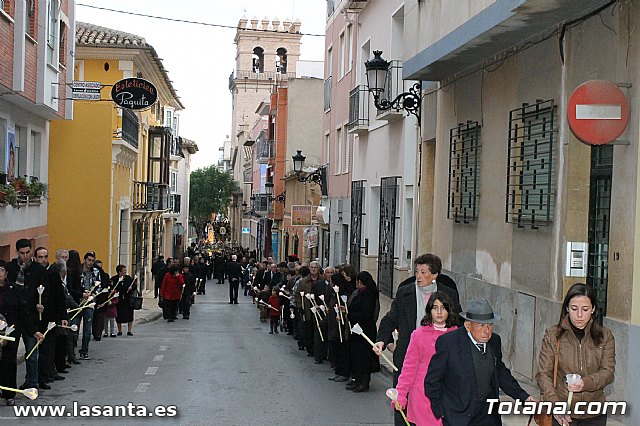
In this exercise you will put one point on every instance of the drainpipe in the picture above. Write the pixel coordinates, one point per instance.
(558, 247)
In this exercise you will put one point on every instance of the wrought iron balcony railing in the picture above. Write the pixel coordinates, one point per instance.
(358, 110)
(175, 201)
(150, 196)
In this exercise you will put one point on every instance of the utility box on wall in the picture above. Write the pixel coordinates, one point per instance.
(576, 259)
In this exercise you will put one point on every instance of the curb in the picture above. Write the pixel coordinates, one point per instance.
(153, 316)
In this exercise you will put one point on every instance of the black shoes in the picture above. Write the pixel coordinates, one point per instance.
(58, 377)
(119, 333)
(129, 333)
(351, 385)
(361, 388)
(84, 356)
(317, 362)
(340, 379)
(44, 386)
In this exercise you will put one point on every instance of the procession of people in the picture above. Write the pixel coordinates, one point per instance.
(447, 361)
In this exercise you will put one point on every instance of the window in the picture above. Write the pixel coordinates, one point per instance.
(281, 60)
(338, 151)
(62, 52)
(327, 148)
(347, 149)
(464, 172)
(258, 60)
(347, 48)
(341, 62)
(22, 151)
(531, 164)
(52, 31)
(35, 147)
(329, 69)
(29, 17)
(168, 118)
(173, 182)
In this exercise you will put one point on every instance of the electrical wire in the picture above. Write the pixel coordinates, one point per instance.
(186, 21)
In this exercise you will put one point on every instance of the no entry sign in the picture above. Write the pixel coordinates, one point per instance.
(598, 112)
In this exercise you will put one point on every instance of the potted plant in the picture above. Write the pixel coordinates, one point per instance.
(19, 184)
(9, 195)
(35, 189)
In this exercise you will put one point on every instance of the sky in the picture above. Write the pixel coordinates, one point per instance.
(199, 59)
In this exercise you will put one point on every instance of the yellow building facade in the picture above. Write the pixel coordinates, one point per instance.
(109, 167)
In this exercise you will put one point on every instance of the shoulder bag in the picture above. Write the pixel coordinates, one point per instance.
(544, 419)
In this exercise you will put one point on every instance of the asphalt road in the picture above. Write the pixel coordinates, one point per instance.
(221, 367)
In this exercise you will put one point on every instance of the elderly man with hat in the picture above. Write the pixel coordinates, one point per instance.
(467, 370)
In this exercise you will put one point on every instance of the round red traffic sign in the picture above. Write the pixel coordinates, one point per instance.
(598, 112)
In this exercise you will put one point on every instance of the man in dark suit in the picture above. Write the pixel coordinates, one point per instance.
(405, 315)
(467, 369)
(234, 270)
(274, 276)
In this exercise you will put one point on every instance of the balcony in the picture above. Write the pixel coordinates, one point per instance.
(150, 196)
(356, 5)
(174, 203)
(265, 150)
(327, 94)
(393, 87)
(262, 203)
(130, 128)
(358, 110)
(261, 76)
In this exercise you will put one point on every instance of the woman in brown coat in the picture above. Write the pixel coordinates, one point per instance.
(585, 348)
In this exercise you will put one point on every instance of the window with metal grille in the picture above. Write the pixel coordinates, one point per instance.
(530, 171)
(464, 172)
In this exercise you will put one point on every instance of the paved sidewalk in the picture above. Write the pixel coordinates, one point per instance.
(149, 312)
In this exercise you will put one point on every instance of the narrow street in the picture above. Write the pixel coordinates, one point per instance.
(221, 367)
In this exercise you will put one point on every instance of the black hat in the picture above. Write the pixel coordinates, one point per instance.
(480, 311)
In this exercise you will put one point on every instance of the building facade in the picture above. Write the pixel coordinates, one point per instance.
(117, 192)
(36, 45)
(517, 207)
(265, 59)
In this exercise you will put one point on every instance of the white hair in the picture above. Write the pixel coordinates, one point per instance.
(234, 257)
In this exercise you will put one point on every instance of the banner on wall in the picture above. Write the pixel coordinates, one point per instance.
(11, 155)
(301, 215)
(311, 236)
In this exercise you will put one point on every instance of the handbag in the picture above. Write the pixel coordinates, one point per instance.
(160, 302)
(135, 301)
(545, 419)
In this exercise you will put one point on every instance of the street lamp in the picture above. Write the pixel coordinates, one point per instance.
(268, 187)
(377, 75)
(298, 163)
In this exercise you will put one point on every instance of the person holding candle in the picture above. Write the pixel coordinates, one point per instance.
(125, 286)
(585, 348)
(439, 319)
(13, 312)
(170, 291)
(339, 347)
(274, 310)
(362, 310)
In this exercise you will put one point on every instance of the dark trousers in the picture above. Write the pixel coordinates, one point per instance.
(320, 344)
(45, 359)
(169, 309)
(594, 421)
(97, 327)
(220, 276)
(307, 335)
(234, 284)
(186, 310)
(72, 340)
(8, 368)
(60, 350)
(274, 321)
(340, 354)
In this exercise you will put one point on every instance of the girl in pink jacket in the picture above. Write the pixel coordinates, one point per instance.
(439, 319)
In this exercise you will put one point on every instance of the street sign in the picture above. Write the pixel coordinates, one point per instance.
(86, 90)
(134, 93)
(598, 112)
